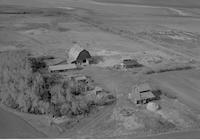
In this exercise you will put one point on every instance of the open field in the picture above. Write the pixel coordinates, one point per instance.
(169, 3)
(161, 35)
(15, 127)
(184, 85)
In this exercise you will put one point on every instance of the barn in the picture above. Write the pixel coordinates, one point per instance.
(78, 55)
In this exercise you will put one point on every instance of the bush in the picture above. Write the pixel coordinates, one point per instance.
(65, 109)
(37, 64)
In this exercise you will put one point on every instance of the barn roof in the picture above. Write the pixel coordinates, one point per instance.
(62, 67)
(74, 52)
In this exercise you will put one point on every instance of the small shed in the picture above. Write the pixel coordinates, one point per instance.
(142, 94)
(97, 93)
(78, 55)
(129, 63)
(98, 90)
(80, 78)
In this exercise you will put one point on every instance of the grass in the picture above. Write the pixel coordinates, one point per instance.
(171, 3)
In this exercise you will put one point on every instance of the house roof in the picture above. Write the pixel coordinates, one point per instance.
(62, 67)
(80, 78)
(147, 95)
(74, 52)
(143, 92)
(144, 87)
(98, 89)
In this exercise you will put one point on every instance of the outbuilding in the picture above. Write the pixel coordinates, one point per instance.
(129, 63)
(142, 94)
(62, 68)
(78, 55)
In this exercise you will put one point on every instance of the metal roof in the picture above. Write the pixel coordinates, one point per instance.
(62, 67)
(144, 87)
(98, 89)
(74, 52)
(147, 95)
(80, 78)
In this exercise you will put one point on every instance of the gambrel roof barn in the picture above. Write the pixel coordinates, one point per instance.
(78, 55)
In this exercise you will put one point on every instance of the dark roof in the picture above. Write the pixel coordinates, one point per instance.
(130, 62)
(143, 91)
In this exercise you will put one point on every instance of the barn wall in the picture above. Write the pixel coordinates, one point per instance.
(83, 55)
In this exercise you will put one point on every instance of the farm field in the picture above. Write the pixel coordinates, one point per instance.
(14, 127)
(184, 85)
(170, 3)
(162, 36)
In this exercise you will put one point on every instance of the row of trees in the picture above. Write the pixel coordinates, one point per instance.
(24, 87)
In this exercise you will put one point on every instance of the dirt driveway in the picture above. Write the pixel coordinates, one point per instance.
(118, 82)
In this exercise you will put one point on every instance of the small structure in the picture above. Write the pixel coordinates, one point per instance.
(129, 63)
(62, 68)
(82, 82)
(142, 94)
(98, 90)
(59, 120)
(80, 78)
(79, 56)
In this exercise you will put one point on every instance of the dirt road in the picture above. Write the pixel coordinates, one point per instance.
(176, 135)
(13, 126)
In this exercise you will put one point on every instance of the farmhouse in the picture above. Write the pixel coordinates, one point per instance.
(129, 63)
(142, 94)
(78, 55)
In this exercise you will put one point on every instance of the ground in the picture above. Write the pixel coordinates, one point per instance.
(17, 127)
(161, 36)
